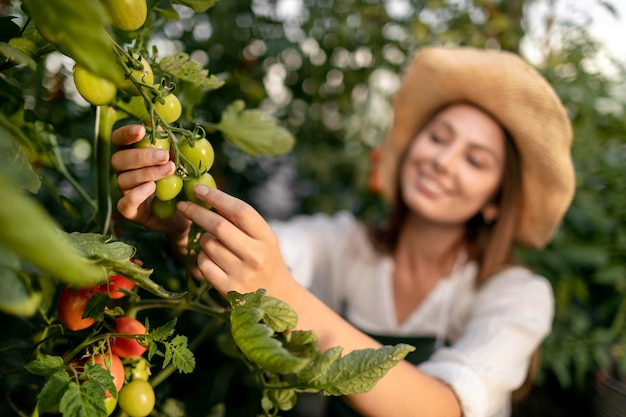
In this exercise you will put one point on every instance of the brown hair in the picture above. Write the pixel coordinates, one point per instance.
(489, 244)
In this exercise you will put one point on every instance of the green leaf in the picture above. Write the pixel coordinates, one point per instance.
(17, 56)
(255, 339)
(84, 400)
(115, 258)
(278, 315)
(53, 391)
(182, 357)
(163, 332)
(96, 373)
(96, 306)
(46, 365)
(197, 6)
(77, 29)
(180, 66)
(253, 132)
(355, 373)
(14, 163)
(30, 233)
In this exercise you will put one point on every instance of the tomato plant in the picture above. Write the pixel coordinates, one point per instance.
(115, 284)
(163, 209)
(139, 69)
(147, 142)
(113, 364)
(126, 347)
(109, 404)
(137, 398)
(71, 306)
(96, 90)
(169, 187)
(199, 153)
(170, 109)
(127, 15)
(139, 368)
(188, 187)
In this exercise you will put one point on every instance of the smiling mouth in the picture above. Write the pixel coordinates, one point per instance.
(431, 185)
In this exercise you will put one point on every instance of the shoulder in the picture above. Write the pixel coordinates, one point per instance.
(516, 289)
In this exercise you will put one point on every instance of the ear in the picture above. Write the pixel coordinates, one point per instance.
(490, 213)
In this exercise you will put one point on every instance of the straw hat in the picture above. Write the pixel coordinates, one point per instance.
(516, 95)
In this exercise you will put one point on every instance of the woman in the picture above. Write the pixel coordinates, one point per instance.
(477, 159)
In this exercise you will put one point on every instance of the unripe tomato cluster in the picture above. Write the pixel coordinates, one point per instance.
(196, 158)
(123, 359)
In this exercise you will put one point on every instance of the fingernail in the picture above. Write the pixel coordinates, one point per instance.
(160, 155)
(182, 205)
(136, 130)
(201, 189)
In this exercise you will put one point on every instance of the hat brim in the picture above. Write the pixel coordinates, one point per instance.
(519, 98)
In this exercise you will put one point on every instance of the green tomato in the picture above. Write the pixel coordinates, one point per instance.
(136, 398)
(170, 110)
(145, 75)
(138, 369)
(169, 187)
(204, 179)
(96, 90)
(163, 209)
(110, 403)
(127, 15)
(201, 155)
(160, 143)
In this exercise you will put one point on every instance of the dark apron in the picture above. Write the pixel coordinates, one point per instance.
(424, 348)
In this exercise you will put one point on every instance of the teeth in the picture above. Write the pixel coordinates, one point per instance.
(431, 184)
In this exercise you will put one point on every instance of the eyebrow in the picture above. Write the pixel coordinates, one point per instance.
(451, 129)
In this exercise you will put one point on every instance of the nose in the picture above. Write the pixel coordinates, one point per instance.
(447, 158)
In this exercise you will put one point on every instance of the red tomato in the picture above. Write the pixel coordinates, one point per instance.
(112, 363)
(116, 283)
(126, 347)
(71, 306)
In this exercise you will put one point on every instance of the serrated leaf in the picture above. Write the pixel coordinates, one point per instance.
(179, 65)
(197, 6)
(163, 332)
(115, 258)
(278, 315)
(78, 30)
(255, 339)
(17, 56)
(182, 357)
(96, 306)
(53, 391)
(84, 400)
(253, 132)
(355, 373)
(96, 373)
(46, 365)
(29, 232)
(14, 163)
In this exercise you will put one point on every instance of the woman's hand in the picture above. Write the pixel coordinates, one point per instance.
(239, 251)
(137, 170)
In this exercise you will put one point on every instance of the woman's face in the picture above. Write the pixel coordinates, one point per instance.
(454, 166)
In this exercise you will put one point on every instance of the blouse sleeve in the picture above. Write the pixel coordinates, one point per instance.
(510, 316)
(315, 249)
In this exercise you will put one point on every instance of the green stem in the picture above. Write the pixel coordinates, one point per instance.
(105, 119)
(206, 331)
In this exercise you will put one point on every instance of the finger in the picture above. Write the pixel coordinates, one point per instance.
(237, 211)
(212, 273)
(131, 204)
(127, 135)
(232, 237)
(138, 158)
(219, 254)
(130, 179)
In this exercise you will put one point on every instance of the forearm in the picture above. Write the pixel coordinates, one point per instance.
(404, 391)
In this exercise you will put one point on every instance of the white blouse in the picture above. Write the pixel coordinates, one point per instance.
(493, 330)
